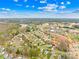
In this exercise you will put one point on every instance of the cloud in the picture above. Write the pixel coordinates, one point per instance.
(27, 6)
(19, 4)
(62, 2)
(25, 0)
(68, 2)
(15, 0)
(76, 11)
(3, 12)
(36, 15)
(52, 5)
(40, 8)
(5, 9)
(8, 9)
(49, 7)
(51, 10)
(43, 1)
(62, 7)
(33, 6)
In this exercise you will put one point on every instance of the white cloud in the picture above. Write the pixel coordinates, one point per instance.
(40, 8)
(8, 9)
(37, 15)
(62, 2)
(68, 2)
(50, 10)
(62, 7)
(33, 6)
(5, 9)
(43, 1)
(19, 4)
(15, 0)
(4, 12)
(25, 0)
(52, 5)
(27, 6)
(49, 7)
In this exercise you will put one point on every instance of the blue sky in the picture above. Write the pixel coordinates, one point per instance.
(39, 8)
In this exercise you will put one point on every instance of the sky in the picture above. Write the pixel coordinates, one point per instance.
(39, 8)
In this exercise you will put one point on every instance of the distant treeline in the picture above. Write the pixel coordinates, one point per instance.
(37, 20)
